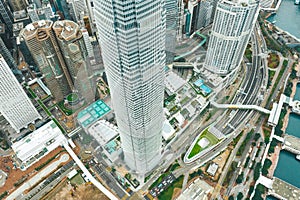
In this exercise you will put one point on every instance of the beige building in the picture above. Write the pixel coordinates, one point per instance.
(41, 42)
(72, 45)
(59, 51)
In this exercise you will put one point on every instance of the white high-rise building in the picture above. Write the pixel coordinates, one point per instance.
(205, 14)
(132, 39)
(233, 25)
(15, 105)
(171, 7)
(87, 43)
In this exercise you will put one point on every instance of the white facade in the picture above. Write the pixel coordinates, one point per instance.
(38, 144)
(132, 38)
(205, 14)
(88, 43)
(266, 3)
(232, 28)
(180, 23)
(15, 105)
(171, 8)
(77, 9)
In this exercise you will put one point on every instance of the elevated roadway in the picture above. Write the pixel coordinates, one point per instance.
(204, 38)
(88, 174)
(252, 84)
(240, 106)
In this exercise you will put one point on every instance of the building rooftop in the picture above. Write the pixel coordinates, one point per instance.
(212, 169)
(20, 15)
(198, 190)
(103, 131)
(67, 30)
(18, 26)
(173, 82)
(38, 143)
(92, 113)
(167, 130)
(36, 28)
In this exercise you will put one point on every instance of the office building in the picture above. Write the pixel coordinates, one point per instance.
(88, 43)
(180, 24)
(132, 39)
(171, 8)
(194, 8)
(15, 105)
(233, 25)
(205, 14)
(6, 16)
(72, 45)
(6, 54)
(43, 13)
(17, 5)
(78, 9)
(41, 42)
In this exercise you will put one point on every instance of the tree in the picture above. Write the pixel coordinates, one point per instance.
(267, 140)
(278, 131)
(240, 196)
(266, 167)
(240, 178)
(231, 197)
(257, 136)
(257, 171)
(250, 190)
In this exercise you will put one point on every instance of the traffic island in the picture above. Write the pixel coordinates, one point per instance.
(202, 144)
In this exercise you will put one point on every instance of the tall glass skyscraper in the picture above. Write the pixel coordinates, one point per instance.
(232, 28)
(132, 38)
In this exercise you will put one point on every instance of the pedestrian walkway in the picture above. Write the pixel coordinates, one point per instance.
(88, 174)
(240, 106)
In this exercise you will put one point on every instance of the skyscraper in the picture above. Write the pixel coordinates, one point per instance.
(132, 38)
(59, 51)
(232, 28)
(41, 42)
(172, 10)
(71, 43)
(15, 105)
(6, 16)
(205, 14)
(7, 55)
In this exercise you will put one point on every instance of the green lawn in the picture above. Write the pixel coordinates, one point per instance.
(273, 60)
(209, 136)
(64, 109)
(72, 97)
(77, 180)
(68, 111)
(168, 193)
(271, 74)
(248, 54)
(185, 100)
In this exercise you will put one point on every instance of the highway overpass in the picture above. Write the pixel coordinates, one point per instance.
(240, 106)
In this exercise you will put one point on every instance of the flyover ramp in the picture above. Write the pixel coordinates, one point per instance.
(240, 106)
